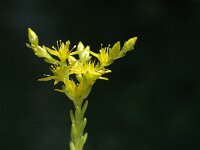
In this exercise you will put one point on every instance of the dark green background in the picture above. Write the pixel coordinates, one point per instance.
(152, 99)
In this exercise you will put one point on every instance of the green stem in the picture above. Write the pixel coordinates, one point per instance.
(78, 137)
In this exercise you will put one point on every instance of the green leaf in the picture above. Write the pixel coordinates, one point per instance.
(84, 108)
(83, 124)
(72, 147)
(72, 116)
(74, 132)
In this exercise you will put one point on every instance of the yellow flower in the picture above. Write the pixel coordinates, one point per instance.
(103, 56)
(60, 73)
(90, 71)
(63, 51)
(77, 92)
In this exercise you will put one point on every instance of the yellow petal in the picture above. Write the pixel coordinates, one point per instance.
(114, 52)
(46, 78)
(52, 52)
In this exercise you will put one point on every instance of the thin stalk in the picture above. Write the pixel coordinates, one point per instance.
(78, 137)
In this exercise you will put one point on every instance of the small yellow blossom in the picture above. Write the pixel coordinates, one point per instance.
(77, 91)
(60, 73)
(90, 71)
(63, 51)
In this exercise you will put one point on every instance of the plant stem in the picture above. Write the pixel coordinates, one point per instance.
(78, 137)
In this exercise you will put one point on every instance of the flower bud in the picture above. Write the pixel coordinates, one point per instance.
(33, 38)
(84, 54)
(129, 45)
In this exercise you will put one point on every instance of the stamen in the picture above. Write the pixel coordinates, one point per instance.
(73, 47)
(46, 75)
(101, 45)
(54, 48)
(60, 43)
(57, 44)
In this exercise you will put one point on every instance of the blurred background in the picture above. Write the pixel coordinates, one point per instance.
(152, 99)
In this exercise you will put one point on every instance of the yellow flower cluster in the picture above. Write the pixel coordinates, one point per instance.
(77, 68)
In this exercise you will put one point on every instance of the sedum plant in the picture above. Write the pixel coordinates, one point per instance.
(77, 69)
